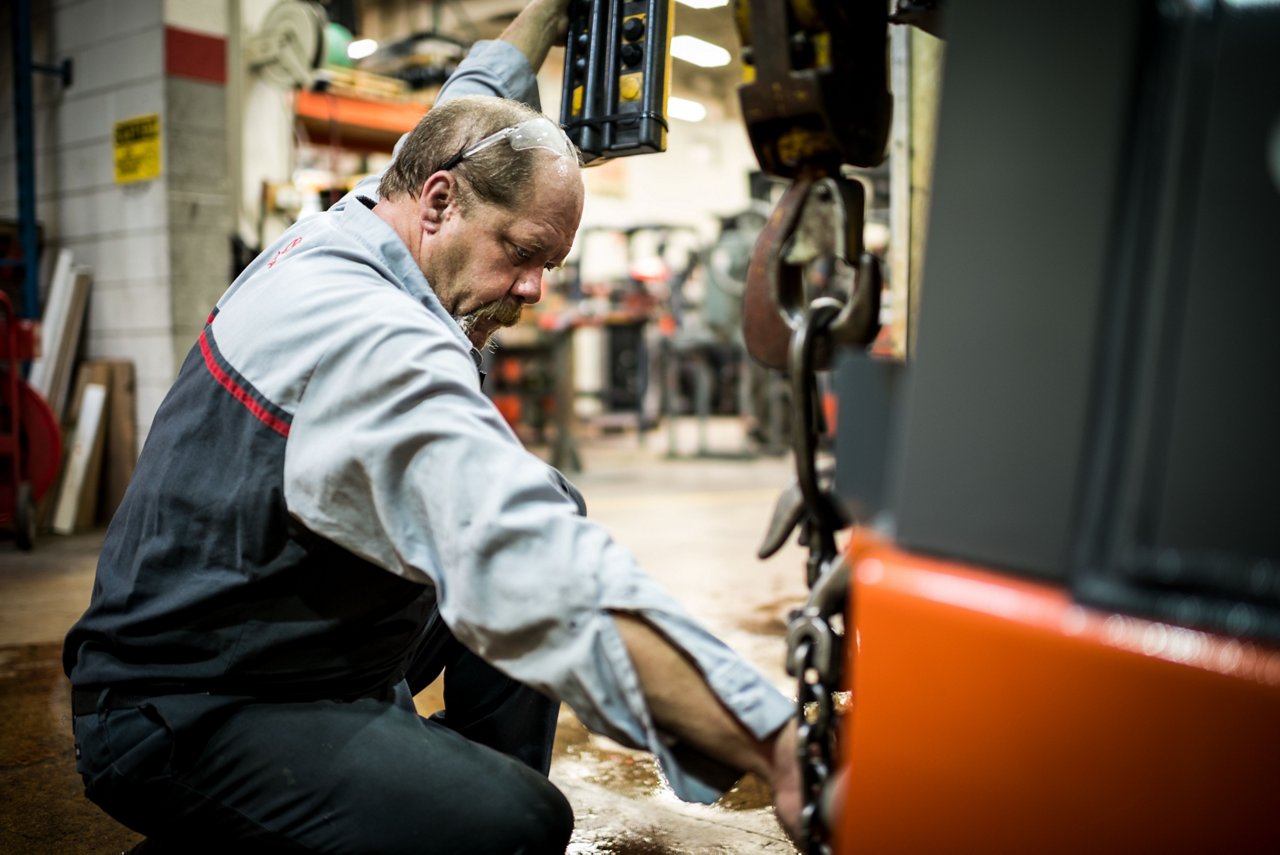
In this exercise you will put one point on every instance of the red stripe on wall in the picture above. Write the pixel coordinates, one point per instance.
(195, 55)
(237, 391)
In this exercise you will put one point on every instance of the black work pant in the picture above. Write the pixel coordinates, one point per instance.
(202, 773)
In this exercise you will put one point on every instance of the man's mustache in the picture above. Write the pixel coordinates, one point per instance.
(505, 312)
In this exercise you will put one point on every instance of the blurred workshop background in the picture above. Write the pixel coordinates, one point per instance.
(185, 135)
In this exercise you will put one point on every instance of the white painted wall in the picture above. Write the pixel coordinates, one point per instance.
(200, 16)
(120, 231)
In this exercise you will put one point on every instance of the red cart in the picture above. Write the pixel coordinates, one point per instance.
(30, 442)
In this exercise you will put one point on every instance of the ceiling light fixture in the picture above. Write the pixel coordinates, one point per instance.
(361, 48)
(685, 110)
(704, 4)
(699, 52)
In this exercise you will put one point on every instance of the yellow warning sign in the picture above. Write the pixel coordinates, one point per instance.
(137, 149)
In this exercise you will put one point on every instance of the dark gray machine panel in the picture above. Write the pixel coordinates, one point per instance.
(869, 394)
(1217, 483)
(1092, 399)
(1179, 521)
(1033, 115)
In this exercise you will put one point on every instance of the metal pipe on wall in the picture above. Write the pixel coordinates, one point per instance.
(26, 160)
(24, 144)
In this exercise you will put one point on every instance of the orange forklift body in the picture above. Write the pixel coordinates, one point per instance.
(992, 714)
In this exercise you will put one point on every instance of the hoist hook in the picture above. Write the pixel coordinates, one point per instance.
(811, 248)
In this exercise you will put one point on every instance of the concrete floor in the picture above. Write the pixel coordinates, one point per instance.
(695, 524)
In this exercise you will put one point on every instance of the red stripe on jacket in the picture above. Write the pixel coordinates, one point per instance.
(237, 391)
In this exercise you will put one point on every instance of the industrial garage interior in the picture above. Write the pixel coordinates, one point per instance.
(921, 350)
(179, 137)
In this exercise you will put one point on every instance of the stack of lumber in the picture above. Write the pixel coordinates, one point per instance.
(102, 441)
(60, 328)
(363, 84)
(96, 412)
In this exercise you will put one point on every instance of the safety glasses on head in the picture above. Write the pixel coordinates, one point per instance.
(538, 132)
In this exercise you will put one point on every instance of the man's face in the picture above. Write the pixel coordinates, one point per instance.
(486, 264)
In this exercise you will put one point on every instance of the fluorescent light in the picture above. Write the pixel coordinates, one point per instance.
(699, 52)
(686, 110)
(704, 4)
(361, 48)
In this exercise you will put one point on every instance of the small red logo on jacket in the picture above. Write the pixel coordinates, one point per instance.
(281, 252)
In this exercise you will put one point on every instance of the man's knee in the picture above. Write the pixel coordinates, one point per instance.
(537, 819)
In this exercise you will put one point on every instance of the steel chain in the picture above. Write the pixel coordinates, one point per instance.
(814, 647)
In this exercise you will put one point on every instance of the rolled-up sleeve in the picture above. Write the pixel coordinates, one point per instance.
(493, 68)
(396, 455)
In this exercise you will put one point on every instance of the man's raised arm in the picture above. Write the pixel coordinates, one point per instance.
(537, 28)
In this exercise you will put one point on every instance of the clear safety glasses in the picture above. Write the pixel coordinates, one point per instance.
(538, 132)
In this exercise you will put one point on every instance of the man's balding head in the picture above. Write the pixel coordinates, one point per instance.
(500, 175)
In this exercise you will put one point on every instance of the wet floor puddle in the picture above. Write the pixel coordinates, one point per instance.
(597, 761)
